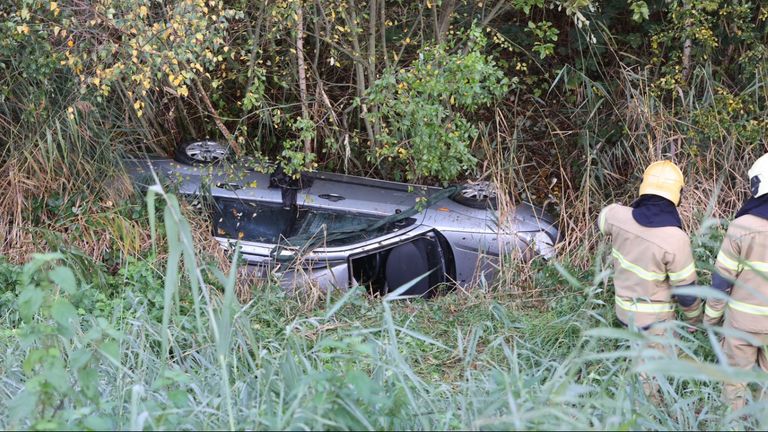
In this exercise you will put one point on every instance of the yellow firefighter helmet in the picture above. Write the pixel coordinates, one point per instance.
(664, 179)
(758, 176)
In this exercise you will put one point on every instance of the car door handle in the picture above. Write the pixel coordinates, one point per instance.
(331, 197)
(228, 186)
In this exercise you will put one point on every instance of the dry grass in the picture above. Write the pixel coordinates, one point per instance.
(562, 164)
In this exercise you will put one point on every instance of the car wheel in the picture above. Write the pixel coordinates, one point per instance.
(479, 195)
(201, 152)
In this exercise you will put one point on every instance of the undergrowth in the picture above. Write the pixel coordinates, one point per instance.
(165, 344)
(123, 322)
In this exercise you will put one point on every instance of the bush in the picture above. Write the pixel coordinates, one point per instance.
(421, 109)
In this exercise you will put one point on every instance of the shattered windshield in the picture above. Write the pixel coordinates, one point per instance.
(318, 224)
(271, 223)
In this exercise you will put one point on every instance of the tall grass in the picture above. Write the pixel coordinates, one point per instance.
(591, 147)
(126, 325)
(200, 359)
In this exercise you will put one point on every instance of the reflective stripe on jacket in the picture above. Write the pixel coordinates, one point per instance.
(647, 263)
(743, 260)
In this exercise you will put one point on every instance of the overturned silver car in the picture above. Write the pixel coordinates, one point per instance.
(336, 230)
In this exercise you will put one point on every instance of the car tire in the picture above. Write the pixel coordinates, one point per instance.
(201, 152)
(478, 195)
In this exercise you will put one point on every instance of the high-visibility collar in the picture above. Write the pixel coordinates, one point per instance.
(644, 307)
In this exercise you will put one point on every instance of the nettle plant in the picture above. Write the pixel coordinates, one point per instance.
(65, 351)
(420, 109)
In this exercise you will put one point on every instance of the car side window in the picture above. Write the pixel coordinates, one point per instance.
(271, 223)
(251, 221)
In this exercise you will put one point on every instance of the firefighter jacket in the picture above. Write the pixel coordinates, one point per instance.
(647, 263)
(742, 271)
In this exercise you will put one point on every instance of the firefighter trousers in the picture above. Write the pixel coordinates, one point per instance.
(650, 385)
(743, 355)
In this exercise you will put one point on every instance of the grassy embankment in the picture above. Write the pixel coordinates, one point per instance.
(114, 327)
(160, 340)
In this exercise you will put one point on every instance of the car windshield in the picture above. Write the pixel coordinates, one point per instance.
(318, 224)
(271, 223)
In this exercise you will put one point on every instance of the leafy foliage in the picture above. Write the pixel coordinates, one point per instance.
(424, 131)
(561, 102)
(63, 351)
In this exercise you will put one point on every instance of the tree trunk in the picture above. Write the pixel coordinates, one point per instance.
(360, 72)
(220, 124)
(308, 149)
(446, 13)
(687, 45)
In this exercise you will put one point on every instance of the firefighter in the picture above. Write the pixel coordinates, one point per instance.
(651, 254)
(741, 270)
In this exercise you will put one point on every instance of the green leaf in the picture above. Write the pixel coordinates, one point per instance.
(29, 301)
(57, 376)
(64, 278)
(360, 382)
(640, 11)
(44, 425)
(23, 405)
(63, 313)
(98, 423)
(111, 349)
(33, 359)
(79, 358)
(179, 398)
(89, 383)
